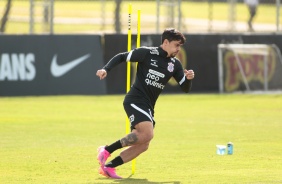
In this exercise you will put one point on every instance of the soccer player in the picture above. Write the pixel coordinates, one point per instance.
(156, 65)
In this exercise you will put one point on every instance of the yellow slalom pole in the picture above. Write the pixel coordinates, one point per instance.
(127, 124)
(138, 28)
(137, 45)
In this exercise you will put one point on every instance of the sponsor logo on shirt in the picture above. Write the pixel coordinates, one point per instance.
(154, 72)
(154, 63)
(153, 78)
(154, 51)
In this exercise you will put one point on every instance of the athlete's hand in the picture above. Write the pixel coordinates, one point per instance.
(101, 73)
(189, 74)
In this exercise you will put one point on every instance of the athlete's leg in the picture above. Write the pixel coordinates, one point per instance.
(138, 140)
(143, 132)
(133, 151)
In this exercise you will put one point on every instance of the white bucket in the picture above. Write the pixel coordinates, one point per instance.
(220, 149)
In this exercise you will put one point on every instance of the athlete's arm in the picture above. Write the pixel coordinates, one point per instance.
(189, 74)
(135, 55)
(117, 59)
(186, 85)
(184, 77)
(101, 74)
(138, 54)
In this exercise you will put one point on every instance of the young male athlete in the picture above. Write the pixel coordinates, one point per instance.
(156, 65)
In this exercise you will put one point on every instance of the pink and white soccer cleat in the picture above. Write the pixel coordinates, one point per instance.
(103, 155)
(110, 172)
(102, 172)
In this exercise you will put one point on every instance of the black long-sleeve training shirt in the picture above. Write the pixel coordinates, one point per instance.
(154, 70)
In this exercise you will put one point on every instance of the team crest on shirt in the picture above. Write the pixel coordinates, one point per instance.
(170, 67)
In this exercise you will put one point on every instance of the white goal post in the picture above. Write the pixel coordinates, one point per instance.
(249, 67)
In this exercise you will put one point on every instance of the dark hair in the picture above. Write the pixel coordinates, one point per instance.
(172, 34)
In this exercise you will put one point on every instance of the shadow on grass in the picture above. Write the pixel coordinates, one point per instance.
(130, 180)
(143, 181)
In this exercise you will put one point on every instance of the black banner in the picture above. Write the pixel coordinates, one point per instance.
(67, 64)
(50, 65)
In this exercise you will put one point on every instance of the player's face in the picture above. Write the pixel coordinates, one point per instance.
(173, 47)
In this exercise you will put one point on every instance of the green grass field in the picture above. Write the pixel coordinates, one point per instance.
(54, 139)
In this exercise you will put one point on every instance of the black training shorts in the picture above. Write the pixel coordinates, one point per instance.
(137, 113)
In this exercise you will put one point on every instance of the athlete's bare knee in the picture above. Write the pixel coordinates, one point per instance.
(149, 136)
(144, 131)
(145, 136)
(144, 147)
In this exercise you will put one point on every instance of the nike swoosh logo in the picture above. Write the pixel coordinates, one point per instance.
(60, 70)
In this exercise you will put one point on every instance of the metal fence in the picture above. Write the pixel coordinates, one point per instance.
(111, 16)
